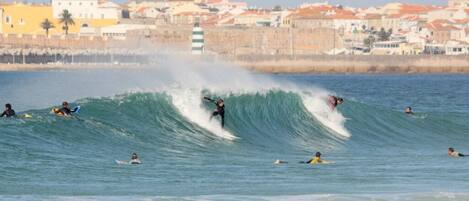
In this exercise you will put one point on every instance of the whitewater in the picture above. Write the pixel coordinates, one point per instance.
(379, 153)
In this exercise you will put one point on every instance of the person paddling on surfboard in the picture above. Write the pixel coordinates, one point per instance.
(408, 110)
(135, 160)
(220, 110)
(316, 160)
(8, 111)
(65, 110)
(453, 153)
(334, 101)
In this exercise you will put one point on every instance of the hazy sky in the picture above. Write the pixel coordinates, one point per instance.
(355, 3)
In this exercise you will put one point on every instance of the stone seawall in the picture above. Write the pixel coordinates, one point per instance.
(355, 64)
(266, 64)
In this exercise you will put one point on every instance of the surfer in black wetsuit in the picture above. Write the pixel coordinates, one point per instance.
(220, 110)
(408, 110)
(8, 111)
(135, 160)
(65, 110)
(334, 101)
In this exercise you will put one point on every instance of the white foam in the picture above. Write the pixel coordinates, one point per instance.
(192, 79)
(189, 104)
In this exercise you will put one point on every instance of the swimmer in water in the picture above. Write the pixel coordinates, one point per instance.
(135, 160)
(453, 153)
(408, 110)
(65, 110)
(8, 111)
(317, 159)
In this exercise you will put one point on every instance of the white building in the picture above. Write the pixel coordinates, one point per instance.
(448, 13)
(450, 48)
(224, 4)
(458, 3)
(1, 21)
(349, 24)
(387, 48)
(86, 9)
(277, 17)
(119, 31)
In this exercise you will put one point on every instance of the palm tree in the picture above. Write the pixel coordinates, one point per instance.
(66, 19)
(46, 25)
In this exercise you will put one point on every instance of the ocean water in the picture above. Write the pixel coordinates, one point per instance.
(378, 152)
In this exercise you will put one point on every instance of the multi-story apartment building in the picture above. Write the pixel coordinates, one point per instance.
(458, 3)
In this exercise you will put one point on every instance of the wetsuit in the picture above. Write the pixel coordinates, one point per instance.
(67, 111)
(135, 161)
(8, 113)
(220, 111)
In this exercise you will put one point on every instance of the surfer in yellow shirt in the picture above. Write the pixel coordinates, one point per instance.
(316, 159)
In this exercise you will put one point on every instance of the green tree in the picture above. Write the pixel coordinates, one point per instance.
(46, 25)
(383, 35)
(389, 33)
(66, 19)
(369, 41)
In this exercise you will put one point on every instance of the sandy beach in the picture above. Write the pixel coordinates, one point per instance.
(304, 65)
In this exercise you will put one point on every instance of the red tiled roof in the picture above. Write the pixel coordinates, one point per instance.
(439, 25)
(372, 16)
(462, 21)
(416, 9)
(193, 14)
(141, 9)
(261, 13)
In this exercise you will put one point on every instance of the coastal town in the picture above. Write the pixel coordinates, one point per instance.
(95, 28)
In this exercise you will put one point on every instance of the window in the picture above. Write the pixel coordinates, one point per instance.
(21, 21)
(91, 15)
(79, 3)
(70, 3)
(59, 3)
(8, 19)
(102, 16)
(91, 3)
